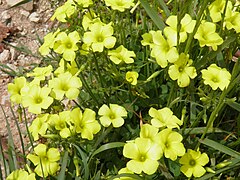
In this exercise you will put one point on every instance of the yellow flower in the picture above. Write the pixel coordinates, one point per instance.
(37, 98)
(21, 174)
(89, 19)
(84, 3)
(232, 20)
(123, 171)
(39, 126)
(216, 77)
(64, 11)
(66, 66)
(150, 132)
(164, 118)
(65, 84)
(45, 160)
(100, 36)
(62, 123)
(193, 162)
(121, 54)
(163, 50)
(148, 39)
(15, 89)
(207, 36)
(85, 123)
(119, 5)
(67, 45)
(182, 70)
(170, 142)
(187, 26)
(48, 44)
(216, 9)
(131, 77)
(40, 72)
(144, 155)
(112, 115)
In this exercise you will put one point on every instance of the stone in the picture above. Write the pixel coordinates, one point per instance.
(34, 17)
(24, 13)
(4, 56)
(5, 16)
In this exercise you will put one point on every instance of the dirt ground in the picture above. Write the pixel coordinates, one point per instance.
(25, 24)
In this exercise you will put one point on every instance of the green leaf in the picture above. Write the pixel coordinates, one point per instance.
(126, 175)
(153, 14)
(20, 3)
(221, 148)
(61, 175)
(233, 104)
(164, 7)
(84, 160)
(106, 147)
(234, 164)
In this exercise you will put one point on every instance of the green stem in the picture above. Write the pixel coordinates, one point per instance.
(198, 22)
(98, 70)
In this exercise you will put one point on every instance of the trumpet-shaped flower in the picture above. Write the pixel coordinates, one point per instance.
(119, 5)
(150, 132)
(45, 160)
(170, 142)
(48, 44)
(84, 3)
(67, 45)
(62, 122)
(15, 89)
(131, 77)
(41, 72)
(112, 115)
(144, 155)
(207, 36)
(216, 8)
(121, 54)
(187, 26)
(163, 50)
(89, 19)
(193, 162)
(65, 84)
(216, 77)
(37, 99)
(21, 174)
(100, 36)
(182, 70)
(64, 11)
(123, 171)
(148, 39)
(66, 66)
(164, 118)
(85, 123)
(39, 126)
(232, 20)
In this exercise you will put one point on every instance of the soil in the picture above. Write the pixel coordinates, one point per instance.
(19, 26)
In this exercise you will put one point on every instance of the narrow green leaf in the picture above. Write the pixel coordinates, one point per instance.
(164, 7)
(153, 14)
(221, 148)
(84, 160)
(61, 175)
(108, 146)
(2, 158)
(233, 104)
(20, 3)
(235, 164)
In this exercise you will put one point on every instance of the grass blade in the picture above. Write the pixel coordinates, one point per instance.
(61, 175)
(234, 105)
(220, 147)
(164, 7)
(153, 14)
(20, 3)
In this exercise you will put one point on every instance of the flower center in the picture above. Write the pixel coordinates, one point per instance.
(142, 158)
(100, 38)
(112, 116)
(62, 125)
(180, 69)
(68, 45)
(215, 80)
(64, 87)
(119, 3)
(130, 79)
(192, 162)
(38, 100)
(167, 145)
